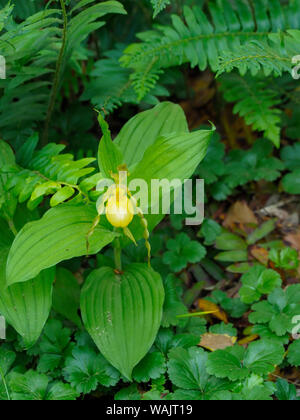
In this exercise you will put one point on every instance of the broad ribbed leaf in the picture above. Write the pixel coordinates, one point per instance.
(175, 156)
(122, 313)
(143, 130)
(26, 306)
(60, 235)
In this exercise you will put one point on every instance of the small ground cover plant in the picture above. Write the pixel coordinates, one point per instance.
(110, 286)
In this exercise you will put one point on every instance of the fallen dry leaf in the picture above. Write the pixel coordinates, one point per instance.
(260, 254)
(240, 212)
(215, 342)
(294, 240)
(217, 312)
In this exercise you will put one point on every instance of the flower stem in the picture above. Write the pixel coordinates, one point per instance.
(12, 227)
(118, 254)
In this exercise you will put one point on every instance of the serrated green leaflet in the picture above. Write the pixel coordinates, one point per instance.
(237, 363)
(258, 281)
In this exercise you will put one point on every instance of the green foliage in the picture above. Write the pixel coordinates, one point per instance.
(294, 354)
(6, 361)
(235, 363)
(153, 366)
(278, 311)
(257, 282)
(33, 386)
(31, 58)
(210, 230)
(80, 323)
(182, 251)
(85, 370)
(52, 347)
(242, 167)
(234, 307)
(286, 258)
(66, 295)
(173, 305)
(187, 370)
(286, 391)
(223, 328)
(291, 157)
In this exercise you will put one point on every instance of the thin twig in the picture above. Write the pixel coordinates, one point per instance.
(272, 207)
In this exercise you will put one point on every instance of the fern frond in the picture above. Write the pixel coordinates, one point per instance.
(256, 102)
(146, 80)
(31, 49)
(273, 57)
(24, 9)
(111, 85)
(81, 25)
(47, 172)
(5, 12)
(200, 38)
(159, 6)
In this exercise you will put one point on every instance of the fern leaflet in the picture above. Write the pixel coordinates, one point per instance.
(256, 102)
(159, 6)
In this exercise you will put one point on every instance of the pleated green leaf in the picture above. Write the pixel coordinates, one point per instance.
(142, 130)
(123, 312)
(26, 306)
(60, 235)
(175, 156)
